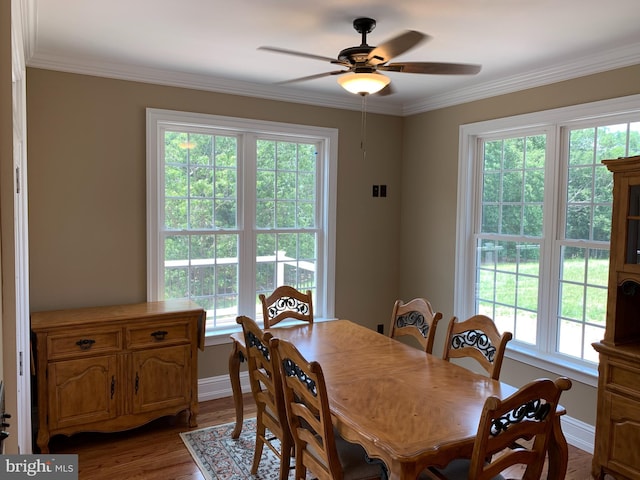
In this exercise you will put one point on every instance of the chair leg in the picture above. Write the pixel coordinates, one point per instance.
(286, 448)
(257, 453)
(234, 375)
(301, 470)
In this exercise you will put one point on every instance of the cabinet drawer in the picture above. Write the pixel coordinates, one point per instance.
(145, 335)
(84, 342)
(623, 377)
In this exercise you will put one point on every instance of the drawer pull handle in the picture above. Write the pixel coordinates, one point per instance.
(85, 344)
(113, 386)
(137, 382)
(159, 334)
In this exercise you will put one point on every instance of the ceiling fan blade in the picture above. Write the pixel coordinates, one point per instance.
(300, 54)
(432, 68)
(396, 46)
(312, 77)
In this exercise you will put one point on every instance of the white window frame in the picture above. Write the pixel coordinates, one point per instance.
(156, 119)
(552, 122)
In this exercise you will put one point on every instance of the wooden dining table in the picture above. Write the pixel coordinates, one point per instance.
(405, 407)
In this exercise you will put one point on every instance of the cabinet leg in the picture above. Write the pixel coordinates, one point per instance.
(235, 358)
(193, 415)
(43, 442)
(192, 420)
(596, 469)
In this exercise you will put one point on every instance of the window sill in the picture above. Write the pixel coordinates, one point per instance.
(221, 336)
(557, 364)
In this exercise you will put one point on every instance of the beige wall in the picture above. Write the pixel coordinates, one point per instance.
(428, 206)
(87, 193)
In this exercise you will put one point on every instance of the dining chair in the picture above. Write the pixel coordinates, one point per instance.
(417, 319)
(319, 448)
(477, 338)
(512, 434)
(267, 392)
(286, 302)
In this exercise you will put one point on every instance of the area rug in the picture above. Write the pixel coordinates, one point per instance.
(220, 457)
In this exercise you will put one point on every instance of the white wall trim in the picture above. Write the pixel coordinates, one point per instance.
(579, 434)
(210, 83)
(496, 84)
(213, 388)
(546, 75)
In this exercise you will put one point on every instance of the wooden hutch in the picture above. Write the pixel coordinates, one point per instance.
(617, 441)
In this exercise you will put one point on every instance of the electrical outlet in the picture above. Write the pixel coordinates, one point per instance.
(383, 190)
(376, 190)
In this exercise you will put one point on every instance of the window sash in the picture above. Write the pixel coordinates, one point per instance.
(556, 124)
(248, 133)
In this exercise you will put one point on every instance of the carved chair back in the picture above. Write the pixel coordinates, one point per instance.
(513, 431)
(478, 338)
(286, 302)
(318, 447)
(266, 388)
(417, 319)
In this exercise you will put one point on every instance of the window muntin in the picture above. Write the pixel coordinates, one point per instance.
(235, 209)
(508, 279)
(582, 300)
(286, 215)
(200, 206)
(584, 239)
(546, 281)
(511, 227)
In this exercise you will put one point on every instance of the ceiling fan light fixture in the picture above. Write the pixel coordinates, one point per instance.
(363, 83)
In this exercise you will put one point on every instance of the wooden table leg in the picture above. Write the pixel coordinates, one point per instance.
(558, 452)
(235, 358)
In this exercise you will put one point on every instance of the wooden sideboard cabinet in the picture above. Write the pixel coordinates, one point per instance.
(107, 369)
(618, 418)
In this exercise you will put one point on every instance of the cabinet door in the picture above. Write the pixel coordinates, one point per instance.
(624, 456)
(82, 391)
(161, 378)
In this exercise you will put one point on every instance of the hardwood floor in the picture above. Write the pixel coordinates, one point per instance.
(155, 451)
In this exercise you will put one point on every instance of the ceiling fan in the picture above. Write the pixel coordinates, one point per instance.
(363, 64)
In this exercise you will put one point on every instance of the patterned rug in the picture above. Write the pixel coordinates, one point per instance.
(220, 457)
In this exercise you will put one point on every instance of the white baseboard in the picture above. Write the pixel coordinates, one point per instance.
(220, 387)
(579, 434)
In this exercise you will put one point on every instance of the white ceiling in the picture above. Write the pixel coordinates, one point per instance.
(213, 44)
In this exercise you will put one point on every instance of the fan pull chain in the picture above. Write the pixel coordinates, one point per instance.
(363, 131)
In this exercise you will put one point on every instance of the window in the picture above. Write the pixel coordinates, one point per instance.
(236, 208)
(534, 222)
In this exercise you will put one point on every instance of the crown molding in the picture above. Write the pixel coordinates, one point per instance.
(29, 21)
(590, 64)
(204, 82)
(597, 63)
